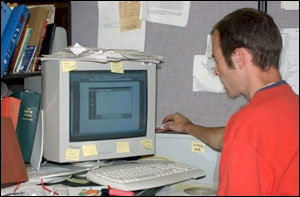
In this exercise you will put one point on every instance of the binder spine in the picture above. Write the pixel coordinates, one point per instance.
(11, 35)
(5, 14)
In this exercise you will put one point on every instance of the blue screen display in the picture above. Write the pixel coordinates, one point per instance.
(105, 105)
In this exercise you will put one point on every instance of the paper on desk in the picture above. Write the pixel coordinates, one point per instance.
(100, 55)
(166, 12)
(77, 49)
(289, 59)
(204, 78)
(109, 33)
(51, 170)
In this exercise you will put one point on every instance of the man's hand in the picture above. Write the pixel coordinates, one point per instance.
(179, 123)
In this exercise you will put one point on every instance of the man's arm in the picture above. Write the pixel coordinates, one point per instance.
(212, 136)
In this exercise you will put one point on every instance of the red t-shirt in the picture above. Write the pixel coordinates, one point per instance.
(260, 154)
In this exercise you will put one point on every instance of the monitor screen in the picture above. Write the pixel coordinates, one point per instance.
(105, 105)
(91, 113)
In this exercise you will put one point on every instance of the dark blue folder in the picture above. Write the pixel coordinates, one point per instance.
(5, 14)
(11, 35)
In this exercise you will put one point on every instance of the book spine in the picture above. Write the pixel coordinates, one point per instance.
(17, 50)
(27, 121)
(5, 14)
(11, 35)
(24, 47)
(38, 50)
(27, 59)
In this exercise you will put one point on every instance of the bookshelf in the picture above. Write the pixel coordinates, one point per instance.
(62, 19)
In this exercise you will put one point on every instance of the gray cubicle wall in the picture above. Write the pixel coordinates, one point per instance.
(178, 45)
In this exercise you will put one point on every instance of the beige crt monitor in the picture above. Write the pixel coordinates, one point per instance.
(91, 113)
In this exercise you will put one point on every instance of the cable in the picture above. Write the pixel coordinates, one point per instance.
(155, 157)
(48, 190)
(18, 184)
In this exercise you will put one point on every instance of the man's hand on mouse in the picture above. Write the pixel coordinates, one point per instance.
(175, 122)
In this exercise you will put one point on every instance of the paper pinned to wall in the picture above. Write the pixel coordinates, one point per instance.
(204, 78)
(289, 59)
(166, 12)
(110, 35)
(290, 5)
(129, 12)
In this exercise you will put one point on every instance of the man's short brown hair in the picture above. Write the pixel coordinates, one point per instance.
(254, 30)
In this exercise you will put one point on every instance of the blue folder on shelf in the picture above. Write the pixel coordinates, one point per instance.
(11, 35)
(5, 14)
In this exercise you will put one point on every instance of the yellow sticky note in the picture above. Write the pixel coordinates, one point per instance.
(117, 67)
(198, 147)
(89, 150)
(147, 144)
(123, 147)
(68, 66)
(72, 154)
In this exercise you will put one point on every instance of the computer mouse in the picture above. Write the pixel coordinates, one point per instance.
(163, 125)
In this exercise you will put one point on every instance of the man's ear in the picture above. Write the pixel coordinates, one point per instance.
(238, 58)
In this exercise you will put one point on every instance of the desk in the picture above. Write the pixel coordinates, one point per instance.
(71, 187)
(176, 147)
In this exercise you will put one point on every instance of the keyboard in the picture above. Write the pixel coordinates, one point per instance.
(144, 174)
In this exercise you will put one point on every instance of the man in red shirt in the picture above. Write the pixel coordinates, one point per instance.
(260, 143)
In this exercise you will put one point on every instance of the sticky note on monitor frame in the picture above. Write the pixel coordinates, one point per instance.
(147, 144)
(89, 150)
(123, 147)
(72, 154)
(68, 66)
(117, 67)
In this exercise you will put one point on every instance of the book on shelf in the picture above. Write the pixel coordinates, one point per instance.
(47, 44)
(27, 59)
(13, 168)
(27, 121)
(22, 50)
(37, 62)
(10, 107)
(11, 35)
(37, 21)
(17, 49)
(50, 7)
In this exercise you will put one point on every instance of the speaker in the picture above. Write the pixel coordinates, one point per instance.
(60, 39)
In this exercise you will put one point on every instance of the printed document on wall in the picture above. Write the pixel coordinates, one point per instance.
(110, 33)
(166, 12)
(204, 78)
(290, 5)
(289, 60)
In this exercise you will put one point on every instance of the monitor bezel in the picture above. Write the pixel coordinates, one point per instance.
(55, 99)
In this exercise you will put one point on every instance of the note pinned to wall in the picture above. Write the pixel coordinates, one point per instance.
(89, 150)
(72, 154)
(289, 5)
(147, 144)
(204, 78)
(166, 12)
(198, 147)
(68, 66)
(117, 67)
(129, 12)
(109, 29)
(123, 147)
(289, 59)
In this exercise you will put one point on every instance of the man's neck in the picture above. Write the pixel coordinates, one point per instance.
(263, 79)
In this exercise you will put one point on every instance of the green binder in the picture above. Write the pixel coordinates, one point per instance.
(27, 121)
